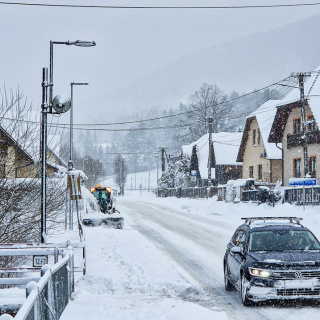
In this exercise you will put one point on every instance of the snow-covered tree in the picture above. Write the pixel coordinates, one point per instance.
(182, 173)
(120, 172)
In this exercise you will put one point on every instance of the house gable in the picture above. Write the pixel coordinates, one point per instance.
(244, 139)
(280, 121)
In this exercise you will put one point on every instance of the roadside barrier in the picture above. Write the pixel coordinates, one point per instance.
(48, 294)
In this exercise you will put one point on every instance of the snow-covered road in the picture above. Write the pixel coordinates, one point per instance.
(167, 264)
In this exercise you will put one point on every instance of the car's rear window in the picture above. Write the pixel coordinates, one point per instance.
(282, 240)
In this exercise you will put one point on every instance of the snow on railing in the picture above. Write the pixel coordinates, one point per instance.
(47, 298)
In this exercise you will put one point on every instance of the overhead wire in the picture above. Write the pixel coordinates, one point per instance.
(158, 7)
(81, 126)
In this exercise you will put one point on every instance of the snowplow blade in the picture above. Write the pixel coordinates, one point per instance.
(110, 222)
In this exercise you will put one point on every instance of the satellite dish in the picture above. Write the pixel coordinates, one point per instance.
(61, 103)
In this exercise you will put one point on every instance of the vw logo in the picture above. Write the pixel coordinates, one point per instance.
(298, 275)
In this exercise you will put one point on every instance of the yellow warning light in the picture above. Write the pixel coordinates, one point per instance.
(99, 186)
(92, 189)
(108, 189)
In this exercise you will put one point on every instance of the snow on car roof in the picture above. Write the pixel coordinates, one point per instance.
(255, 222)
(273, 223)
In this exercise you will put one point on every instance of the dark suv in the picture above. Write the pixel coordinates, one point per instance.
(273, 258)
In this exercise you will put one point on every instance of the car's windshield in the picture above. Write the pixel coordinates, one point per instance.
(280, 240)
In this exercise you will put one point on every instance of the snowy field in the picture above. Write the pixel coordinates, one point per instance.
(128, 277)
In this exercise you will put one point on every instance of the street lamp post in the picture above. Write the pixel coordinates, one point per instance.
(44, 107)
(47, 108)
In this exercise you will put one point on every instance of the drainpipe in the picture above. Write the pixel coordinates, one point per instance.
(282, 166)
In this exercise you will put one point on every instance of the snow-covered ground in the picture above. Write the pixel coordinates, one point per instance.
(129, 278)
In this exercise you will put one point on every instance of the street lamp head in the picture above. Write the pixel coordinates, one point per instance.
(82, 43)
(79, 83)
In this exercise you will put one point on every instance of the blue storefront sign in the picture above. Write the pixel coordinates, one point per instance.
(302, 182)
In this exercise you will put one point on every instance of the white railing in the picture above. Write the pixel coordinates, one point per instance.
(47, 298)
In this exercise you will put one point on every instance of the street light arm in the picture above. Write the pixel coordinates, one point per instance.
(78, 43)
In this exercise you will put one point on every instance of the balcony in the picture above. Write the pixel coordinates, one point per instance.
(296, 140)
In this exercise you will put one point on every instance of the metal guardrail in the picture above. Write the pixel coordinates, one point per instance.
(302, 195)
(53, 249)
(194, 193)
(47, 299)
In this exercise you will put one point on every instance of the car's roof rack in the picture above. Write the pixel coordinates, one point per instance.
(291, 219)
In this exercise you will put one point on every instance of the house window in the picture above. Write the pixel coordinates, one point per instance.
(297, 167)
(260, 171)
(254, 133)
(296, 126)
(312, 125)
(2, 171)
(251, 172)
(313, 166)
(258, 137)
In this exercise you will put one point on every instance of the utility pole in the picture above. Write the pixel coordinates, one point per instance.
(210, 155)
(163, 162)
(301, 76)
(44, 111)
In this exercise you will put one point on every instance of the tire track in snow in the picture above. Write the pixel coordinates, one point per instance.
(191, 245)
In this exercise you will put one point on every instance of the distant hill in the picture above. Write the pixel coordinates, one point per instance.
(243, 65)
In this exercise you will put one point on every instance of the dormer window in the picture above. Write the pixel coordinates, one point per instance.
(297, 126)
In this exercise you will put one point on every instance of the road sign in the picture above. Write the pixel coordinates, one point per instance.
(302, 182)
(39, 261)
(74, 187)
(193, 173)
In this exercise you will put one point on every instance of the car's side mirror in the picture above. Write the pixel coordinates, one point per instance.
(236, 250)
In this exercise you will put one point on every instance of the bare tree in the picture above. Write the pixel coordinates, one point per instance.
(120, 172)
(208, 101)
(20, 184)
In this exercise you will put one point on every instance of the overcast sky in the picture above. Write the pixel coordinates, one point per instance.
(131, 43)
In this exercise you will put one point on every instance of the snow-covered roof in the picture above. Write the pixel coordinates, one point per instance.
(24, 130)
(292, 99)
(311, 91)
(265, 116)
(225, 145)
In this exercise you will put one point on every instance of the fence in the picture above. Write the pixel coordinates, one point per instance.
(250, 195)
(302, 195)
(196, 192)
(47, 299)
(53, 285)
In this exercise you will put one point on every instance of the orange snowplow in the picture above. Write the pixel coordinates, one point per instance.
(106, 200)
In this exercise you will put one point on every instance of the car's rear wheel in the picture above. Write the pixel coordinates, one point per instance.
(243, 290)
(227, 284)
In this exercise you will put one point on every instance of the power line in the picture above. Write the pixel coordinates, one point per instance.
(168, 116)
(189, 111)
(159, 7)
(82, 126)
